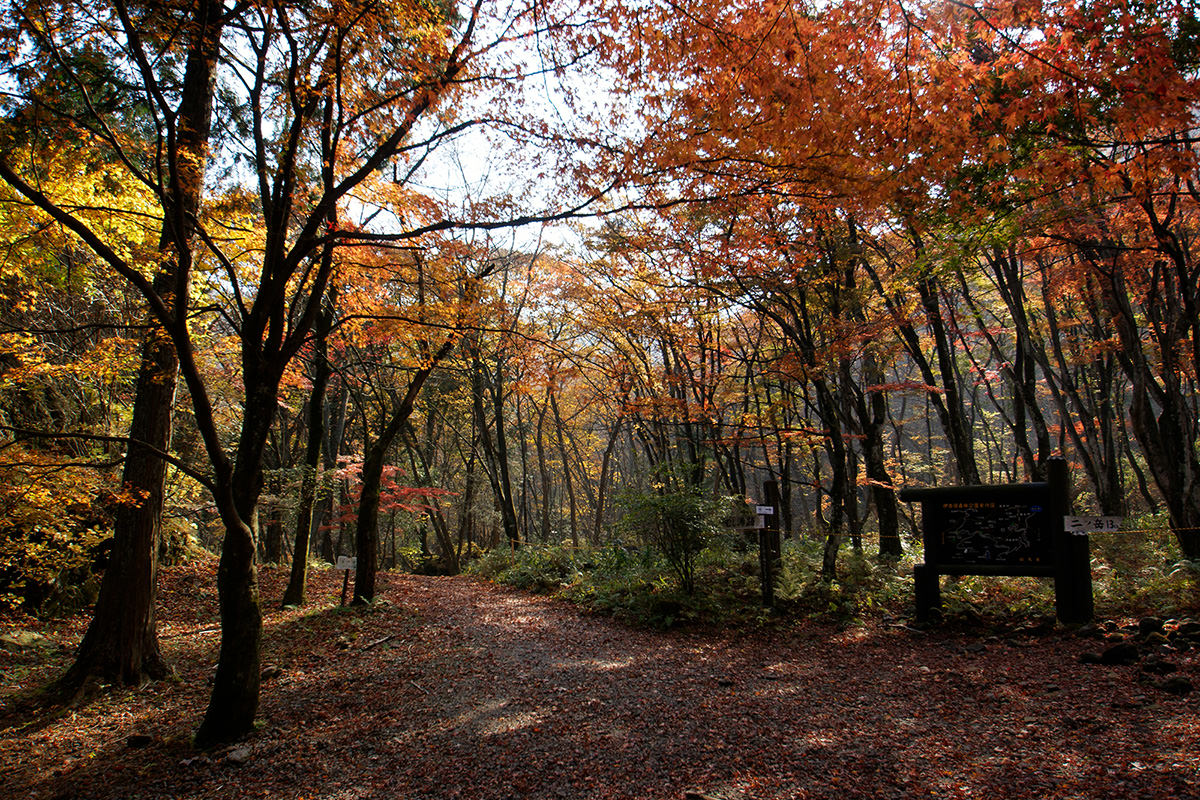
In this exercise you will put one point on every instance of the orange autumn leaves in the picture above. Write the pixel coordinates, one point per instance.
(863, 105)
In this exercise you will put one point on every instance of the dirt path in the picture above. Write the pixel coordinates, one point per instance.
(461, 689)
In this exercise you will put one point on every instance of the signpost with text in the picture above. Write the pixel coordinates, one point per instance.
(346, 564)
(770, 550)
(1012, 530)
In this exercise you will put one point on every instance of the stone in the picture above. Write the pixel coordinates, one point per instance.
(1176, 685)
(20, 641)
(1149, 625)
(1157, 666)
(1120, 654)
(1190, 629)
(239, 756)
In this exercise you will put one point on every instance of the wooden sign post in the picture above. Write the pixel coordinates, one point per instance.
(770, 550)
(345, 564)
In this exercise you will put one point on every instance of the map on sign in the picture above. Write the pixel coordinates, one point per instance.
(993, 533)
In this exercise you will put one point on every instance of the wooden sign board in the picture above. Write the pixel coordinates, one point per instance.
(346, 562)
(1002, 528)
(1010, 529)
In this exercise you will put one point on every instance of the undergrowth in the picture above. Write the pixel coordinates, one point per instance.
(1133, 575)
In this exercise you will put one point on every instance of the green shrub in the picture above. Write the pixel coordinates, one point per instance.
(1133, 574)
(1143, 572)
(675, 517)
(531, 568)
(492, 564)
(864, 587)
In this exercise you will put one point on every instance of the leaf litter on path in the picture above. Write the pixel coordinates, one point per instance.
(455, 688)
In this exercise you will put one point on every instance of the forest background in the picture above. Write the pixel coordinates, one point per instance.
(255, 303)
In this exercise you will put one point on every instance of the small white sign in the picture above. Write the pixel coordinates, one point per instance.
(764, 510)
(346, 562)
(1091, 524)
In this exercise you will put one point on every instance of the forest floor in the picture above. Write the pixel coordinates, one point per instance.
(453, 688)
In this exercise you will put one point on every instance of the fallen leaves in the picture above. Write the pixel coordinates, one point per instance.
(463, 689)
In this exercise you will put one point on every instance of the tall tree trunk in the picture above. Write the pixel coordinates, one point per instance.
(1162, 411)
(523, 521)
(1087, 399)
(507, 508)
(839, 490)
(568, 482)
(298, 578)
(366, 532)
(872, 415)
(419, 460)
(949, 411)
(544, 469)
(234, 700)
(121, 643)
(496, 449)
(602, 488)
(954, 419)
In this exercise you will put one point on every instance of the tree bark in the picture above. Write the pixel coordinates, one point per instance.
(121, 643)
(495, 450)
(366, 531)
(234, 700)
(872, 415)
(298, 577)
(954, 420)
(567, 481)
(602, 488)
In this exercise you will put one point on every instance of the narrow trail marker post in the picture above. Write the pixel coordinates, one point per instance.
(770, 550)
(346, 564)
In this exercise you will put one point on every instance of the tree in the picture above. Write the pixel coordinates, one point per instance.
(433, 319)
(121, 644)
(293, 595)
(332, 91)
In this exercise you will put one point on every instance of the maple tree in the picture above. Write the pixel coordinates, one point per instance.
(946, 131)
(1125, 135)
(421, 308)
